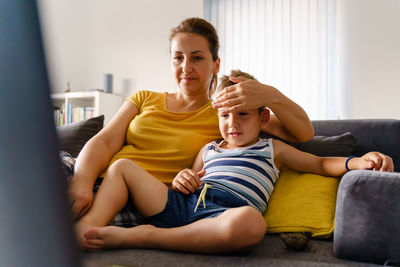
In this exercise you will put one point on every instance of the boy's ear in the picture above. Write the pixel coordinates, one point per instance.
(265, 115)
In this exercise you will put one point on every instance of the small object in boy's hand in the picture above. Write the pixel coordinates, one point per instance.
(296, 241)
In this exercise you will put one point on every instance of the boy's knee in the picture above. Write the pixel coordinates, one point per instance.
(121, 164)
(247, 228)
(254, 226)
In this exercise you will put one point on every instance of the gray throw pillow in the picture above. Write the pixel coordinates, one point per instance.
(74, 136)
(329, 146)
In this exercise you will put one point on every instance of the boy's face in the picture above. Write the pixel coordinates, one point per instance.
(241, 128)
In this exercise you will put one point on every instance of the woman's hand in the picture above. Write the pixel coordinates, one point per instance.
(288, 121)
(80, 196)
(372, 161)
(187, 181)
(245, 94)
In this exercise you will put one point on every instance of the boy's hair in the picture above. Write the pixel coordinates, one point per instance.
(225, 82)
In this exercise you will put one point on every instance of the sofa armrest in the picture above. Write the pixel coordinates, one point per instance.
(367, 220)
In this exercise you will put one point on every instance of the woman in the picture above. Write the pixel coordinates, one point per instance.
(162, 132)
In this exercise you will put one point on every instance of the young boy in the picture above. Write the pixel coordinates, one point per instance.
(217, 205)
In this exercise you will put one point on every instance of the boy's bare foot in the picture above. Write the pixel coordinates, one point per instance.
(81, 227)
(116, 237)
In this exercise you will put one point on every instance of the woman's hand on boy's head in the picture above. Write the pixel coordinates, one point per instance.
(245, 94)
(187, 181)
(376, 161)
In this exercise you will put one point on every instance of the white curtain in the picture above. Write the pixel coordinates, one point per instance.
(289, 44)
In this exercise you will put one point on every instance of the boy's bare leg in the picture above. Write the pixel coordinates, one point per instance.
(124, 178)
(235, 229)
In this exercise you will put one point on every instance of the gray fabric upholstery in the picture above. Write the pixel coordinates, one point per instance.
(327, 146)
(371, 135)
(73, 137)
(270, 252)
(367, 223)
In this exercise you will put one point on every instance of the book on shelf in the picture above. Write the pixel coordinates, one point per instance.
(72, 114)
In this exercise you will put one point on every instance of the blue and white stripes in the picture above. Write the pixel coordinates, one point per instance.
(247, 172)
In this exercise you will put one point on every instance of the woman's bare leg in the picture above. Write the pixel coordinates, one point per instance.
(124, 178)
(235, 229)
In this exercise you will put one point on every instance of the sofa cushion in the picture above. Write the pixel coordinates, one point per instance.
(73, 136)
(326, 146)
(368, 217)
(302, 202)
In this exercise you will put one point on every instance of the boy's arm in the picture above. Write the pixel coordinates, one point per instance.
(287, 156)
(275, 127)
(188, 180)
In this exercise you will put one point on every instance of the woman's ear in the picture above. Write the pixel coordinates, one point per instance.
(217, 65)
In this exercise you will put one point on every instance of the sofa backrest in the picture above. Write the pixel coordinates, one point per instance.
(381, 135)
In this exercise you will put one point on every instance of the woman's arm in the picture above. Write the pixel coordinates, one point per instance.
(289, 122)
(287, 156)
(95, 156)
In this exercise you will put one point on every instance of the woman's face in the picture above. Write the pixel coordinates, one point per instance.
(192, 63)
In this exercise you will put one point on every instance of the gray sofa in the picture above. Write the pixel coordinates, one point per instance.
(367, 220)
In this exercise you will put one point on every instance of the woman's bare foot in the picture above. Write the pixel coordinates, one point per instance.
(97, 238)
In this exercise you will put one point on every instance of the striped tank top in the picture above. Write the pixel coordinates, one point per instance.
(246, 172)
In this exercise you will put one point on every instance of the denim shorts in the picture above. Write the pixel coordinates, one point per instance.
(179, 209)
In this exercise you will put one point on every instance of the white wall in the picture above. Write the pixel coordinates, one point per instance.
(369, 57)
(129, 38)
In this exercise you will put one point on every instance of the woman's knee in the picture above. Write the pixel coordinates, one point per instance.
(246, 227)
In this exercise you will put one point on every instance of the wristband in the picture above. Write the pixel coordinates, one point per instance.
(347, 161)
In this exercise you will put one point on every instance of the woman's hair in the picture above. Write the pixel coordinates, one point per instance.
(205, 29)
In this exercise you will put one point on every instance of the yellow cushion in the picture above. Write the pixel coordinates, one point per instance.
(302, 202)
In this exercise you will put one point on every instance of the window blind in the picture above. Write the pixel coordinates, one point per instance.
(289, 44)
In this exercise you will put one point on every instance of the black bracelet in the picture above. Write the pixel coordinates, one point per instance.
(347, 161)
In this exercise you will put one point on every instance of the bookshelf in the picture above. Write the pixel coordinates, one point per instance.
(76, 106)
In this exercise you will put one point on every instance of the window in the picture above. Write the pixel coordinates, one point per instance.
(289, 44)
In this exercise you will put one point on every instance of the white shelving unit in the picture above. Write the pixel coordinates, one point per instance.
(103, 103)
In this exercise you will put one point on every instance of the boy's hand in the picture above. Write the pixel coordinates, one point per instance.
(187, 181)
(373, 161)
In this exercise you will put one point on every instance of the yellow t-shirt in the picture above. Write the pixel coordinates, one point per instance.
(164, 142)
